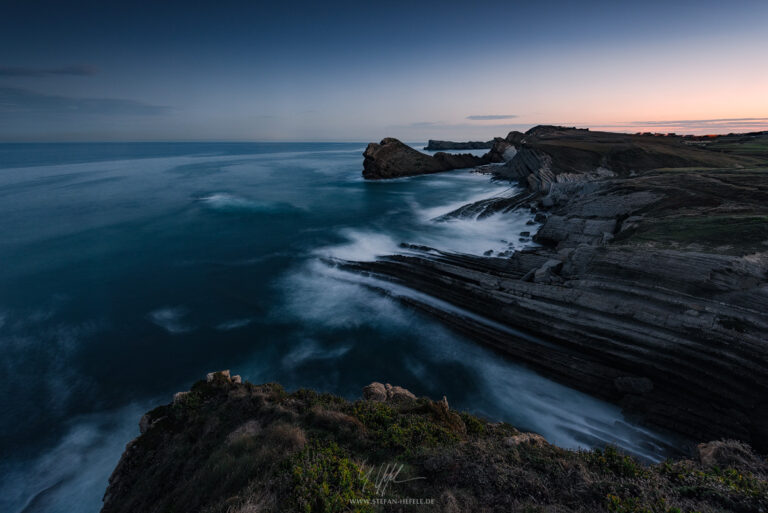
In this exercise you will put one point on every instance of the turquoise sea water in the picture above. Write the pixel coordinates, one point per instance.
(128, 271)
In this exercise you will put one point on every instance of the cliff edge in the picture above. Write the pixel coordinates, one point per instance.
(233, 447)
(649, 284)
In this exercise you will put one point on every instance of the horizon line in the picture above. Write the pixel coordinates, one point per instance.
(636, 129)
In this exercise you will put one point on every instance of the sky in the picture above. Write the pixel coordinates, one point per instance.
(361, 71)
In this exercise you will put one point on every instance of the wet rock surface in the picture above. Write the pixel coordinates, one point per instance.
(650, 288)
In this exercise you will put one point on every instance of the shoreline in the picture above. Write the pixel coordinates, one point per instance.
(588, 211)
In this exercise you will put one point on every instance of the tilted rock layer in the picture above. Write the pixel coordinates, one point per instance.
(650, 288)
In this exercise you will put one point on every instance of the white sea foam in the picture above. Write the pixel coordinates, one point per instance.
(498, 233)
(314, 294)
(432, 213)
(361, 245)
(234, 324)
(224, 201)
(327, 296)
(171, 319)
(72, 475)
(323, 295)
(312, 350)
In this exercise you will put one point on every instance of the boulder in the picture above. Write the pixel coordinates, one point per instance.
(375, 392)
(379, 392)
(212, 375)
(177, 398)
(145, 423)
(398, 393)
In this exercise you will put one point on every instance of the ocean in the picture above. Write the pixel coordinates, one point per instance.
(130, 270)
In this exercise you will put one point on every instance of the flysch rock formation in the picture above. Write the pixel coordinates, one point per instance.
(649, 289)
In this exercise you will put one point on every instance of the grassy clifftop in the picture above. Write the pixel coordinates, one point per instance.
(233, 447)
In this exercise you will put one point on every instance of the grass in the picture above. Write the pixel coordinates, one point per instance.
(740, 232)
(755, 146)
(326, 480)
(244, 448)
(401, 434)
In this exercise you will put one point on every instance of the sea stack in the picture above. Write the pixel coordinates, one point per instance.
(393, 159)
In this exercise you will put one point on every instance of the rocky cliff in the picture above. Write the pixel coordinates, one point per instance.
(650, 287)
(433, 145)
(393, 159)
(232, 447)
(552, 154)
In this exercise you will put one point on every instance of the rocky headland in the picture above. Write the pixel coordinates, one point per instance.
(228, 446)
(433, 145)
(393, 159)
(649, 287)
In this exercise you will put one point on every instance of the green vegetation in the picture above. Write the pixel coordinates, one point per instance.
(401, 433)
(325, 480)
(740, 232)
(612, 461)
(473, 425)
(243, 448)
(756, 146)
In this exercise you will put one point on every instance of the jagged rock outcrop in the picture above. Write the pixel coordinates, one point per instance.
(515, 138)
(548, 155)
(393, 159)
(650, 288)
(501, 151)
(434, 145)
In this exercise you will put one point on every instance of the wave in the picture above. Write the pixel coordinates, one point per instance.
(227, 202)
(490, 385)
(495, 235)
(361, 245)
(171, 319)
(72, 475)
(315, 295)
(234, 324)
(311, 350)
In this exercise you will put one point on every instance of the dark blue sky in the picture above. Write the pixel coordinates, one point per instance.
(358, 70)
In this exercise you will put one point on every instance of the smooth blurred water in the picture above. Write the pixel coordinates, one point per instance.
(128, 271)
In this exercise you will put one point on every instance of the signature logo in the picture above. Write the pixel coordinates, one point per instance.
(382, 476)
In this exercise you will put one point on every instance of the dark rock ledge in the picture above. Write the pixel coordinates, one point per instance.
(393, 159)
(433, 145)
(650, 288)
